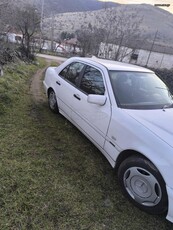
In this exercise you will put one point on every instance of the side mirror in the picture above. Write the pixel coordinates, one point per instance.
(96, 99)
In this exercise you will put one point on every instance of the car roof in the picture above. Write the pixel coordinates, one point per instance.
(115, 65)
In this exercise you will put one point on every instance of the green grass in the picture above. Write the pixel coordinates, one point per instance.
(51, 176)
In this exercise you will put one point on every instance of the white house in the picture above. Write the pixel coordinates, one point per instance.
(14, 38)
(158, 57)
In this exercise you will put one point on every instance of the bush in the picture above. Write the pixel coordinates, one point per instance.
(7, 54)
(25, 55)
(167, 76)
(11, 53)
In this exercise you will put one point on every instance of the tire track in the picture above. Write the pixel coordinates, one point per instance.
(36, 84)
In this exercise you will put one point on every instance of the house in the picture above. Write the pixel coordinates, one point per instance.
(71, 45)
(14, 38)
(149, 55)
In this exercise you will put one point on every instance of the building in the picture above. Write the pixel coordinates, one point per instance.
(149, 55)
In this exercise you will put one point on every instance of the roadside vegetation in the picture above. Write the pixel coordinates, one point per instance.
(167, 76)
(51, 176)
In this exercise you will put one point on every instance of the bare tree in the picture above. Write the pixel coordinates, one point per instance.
(24, 20)
(90, 37)
(6, 54)
(27, 21)
(3, 14)
(123, 29)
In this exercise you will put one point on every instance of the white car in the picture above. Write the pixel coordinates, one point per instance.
(127, 112)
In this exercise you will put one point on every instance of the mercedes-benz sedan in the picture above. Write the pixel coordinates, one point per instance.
(127, 112)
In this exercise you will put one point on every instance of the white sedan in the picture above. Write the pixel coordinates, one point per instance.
(127, 112)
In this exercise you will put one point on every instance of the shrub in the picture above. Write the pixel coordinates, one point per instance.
(167, 76)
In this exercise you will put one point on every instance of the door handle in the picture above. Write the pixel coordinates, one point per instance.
(57, 82)
(77, 96)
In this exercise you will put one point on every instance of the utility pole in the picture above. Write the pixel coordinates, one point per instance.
(41, 23)
(105, 4)
(162, 57)
(52, 31)
(42, 15)
(152, 47)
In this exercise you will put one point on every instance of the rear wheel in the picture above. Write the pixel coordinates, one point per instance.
(143, 185)
(53, 102)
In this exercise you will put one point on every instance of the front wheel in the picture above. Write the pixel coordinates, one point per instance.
(143, 185)
(52, 102)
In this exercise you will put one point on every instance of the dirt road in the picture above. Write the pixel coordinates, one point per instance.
(37, 80)
(49, 57)
(36, 84)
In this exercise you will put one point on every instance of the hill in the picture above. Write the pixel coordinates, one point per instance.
(154, 20)
(61, 6)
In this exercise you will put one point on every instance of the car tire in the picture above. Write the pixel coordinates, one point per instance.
(143, 185)
(52, 101)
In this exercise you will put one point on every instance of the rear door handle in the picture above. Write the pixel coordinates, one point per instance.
(77, 96)
(57, 82)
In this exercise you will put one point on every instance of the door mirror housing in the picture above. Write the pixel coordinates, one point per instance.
(96, 99)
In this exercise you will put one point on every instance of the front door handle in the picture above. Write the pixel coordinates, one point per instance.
(77, 96)
(57, 82)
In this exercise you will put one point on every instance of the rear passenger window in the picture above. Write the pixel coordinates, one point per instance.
(72, 72)
(92, 81)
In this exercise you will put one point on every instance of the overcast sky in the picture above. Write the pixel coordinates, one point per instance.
(152, 2)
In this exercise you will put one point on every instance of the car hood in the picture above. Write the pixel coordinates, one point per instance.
(159, 121)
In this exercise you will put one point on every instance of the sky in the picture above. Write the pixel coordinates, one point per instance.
(152, 2)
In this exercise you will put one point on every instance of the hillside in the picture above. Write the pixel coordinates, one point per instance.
(61, 6)
(154, 19)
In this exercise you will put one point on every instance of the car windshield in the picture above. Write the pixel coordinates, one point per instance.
(140, 90)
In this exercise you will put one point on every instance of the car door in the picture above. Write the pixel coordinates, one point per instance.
(92, 119)
(66, 83)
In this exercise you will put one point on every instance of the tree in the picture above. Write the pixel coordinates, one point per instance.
(89, 38)
(7, 53)
(66, 35)
(123, 29)
(3, 14)
(24, 20)
(27, 21)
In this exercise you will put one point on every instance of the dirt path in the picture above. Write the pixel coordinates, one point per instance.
(37, 80)
(36, 84)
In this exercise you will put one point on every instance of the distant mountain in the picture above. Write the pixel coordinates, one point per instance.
(70, 15)
(154, 20)
(62, 6)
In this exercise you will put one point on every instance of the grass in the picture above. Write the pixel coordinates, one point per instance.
(51, 176)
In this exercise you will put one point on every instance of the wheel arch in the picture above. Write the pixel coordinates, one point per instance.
(52, 100)
(128, 153)
(124, 155)
(49, 90)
